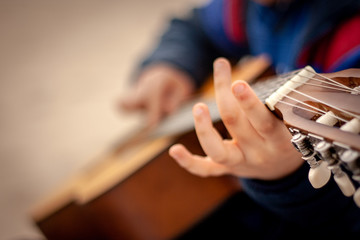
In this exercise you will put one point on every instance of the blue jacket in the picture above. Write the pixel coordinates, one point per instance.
(290, 35)
(321, 33)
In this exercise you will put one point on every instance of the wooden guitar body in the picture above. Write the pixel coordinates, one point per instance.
(140, 193)
(160, 200)
(155, 199)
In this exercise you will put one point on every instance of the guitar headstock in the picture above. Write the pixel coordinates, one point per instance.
(322, 111)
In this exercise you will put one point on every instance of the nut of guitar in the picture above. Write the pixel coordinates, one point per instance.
(325, 110)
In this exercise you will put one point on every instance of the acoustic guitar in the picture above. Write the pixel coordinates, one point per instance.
(137, 191)
(159, 200)
(322, 111)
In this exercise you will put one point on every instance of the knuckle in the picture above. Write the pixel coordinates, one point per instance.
(201, 132)
(199, 172)
(260, 161)
(229, 118)
(187, 165)
(267, 127)
(219, 83)
(220, 157)
(248, 103)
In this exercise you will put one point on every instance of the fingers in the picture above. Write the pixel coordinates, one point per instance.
(159, 91)
(262, 120)
(226, 152)
(149, 100)
(131, 102)
(210, 140)
(223, 95)
(231, 115)
(259, 140)
(198, 165)
(172, 100)
(154, 106)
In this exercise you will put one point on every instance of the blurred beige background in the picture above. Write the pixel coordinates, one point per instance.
(63, 65)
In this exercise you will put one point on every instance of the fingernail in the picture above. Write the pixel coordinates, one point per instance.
(238, 89)
(173, 153)
(198, 110)
(218, 64)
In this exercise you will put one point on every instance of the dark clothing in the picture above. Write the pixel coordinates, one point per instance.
(322, 33)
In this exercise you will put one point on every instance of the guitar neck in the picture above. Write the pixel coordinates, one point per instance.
(322, 112)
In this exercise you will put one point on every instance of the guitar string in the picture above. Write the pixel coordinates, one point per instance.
(303, 108)
(336, 84)
(330, 105)
(332, 80)
(353, 91)
(322, 86)
(318, 110)
(339, 87)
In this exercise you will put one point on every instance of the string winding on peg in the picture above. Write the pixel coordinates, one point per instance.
(319, 174)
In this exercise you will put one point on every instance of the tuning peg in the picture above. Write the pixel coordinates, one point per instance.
(345, 184)
(302, 144)
(319, 175)
(351, 158)
(340, 177)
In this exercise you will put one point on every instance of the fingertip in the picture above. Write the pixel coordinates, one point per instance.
(220, 60)
(239, 89)
(220, 63)
(129, 103)
(178, 152)
(199, 109)
(173, 150)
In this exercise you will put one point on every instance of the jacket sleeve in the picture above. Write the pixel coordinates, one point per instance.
(185, 46)
(192, 43)
(294, 199)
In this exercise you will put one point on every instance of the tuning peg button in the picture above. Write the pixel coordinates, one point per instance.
(319, 175)
(345, 184)
(352, 160)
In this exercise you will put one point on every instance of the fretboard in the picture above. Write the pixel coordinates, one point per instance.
(182, 120)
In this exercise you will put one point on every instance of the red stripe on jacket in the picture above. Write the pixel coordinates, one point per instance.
(329, 52)
(234, 20)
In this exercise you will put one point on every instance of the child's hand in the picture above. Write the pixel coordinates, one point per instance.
(260, 146)
(159, 91)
